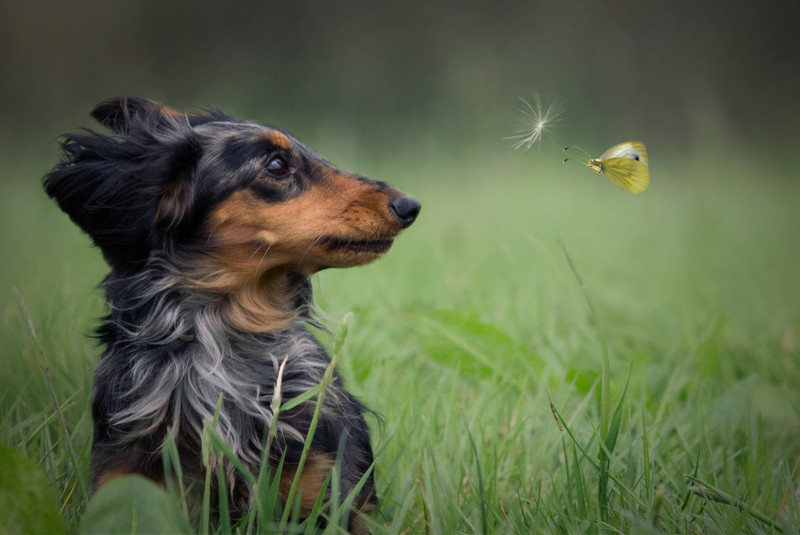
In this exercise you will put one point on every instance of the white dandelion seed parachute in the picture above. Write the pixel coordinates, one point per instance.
(535, 119)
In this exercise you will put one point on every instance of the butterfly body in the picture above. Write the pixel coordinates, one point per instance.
(625, 164)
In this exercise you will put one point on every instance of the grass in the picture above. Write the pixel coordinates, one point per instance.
(549, 354)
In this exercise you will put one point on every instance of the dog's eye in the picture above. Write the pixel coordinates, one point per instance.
(277, 166)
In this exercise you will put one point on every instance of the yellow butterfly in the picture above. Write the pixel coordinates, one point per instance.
(625, 164)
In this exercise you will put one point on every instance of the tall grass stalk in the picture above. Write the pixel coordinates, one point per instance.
(481, 490)
(608, 429)
(326, 380)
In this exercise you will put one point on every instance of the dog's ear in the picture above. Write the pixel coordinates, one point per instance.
(119, 112)
(176, 193)
(132, 193)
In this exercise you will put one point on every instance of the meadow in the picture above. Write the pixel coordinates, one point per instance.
(548, 353)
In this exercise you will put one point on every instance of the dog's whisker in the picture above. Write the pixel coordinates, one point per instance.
(255, 251)
(212, 231)
(315, 242)
(264, 256)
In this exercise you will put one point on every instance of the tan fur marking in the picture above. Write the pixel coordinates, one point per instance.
(251, 305)
(358, 525)
(280, 139)
(312, 478)
(261, 307)
(169, 112)
(108, 477)
(173, 202)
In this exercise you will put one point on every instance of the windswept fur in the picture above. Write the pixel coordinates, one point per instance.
(211, 226)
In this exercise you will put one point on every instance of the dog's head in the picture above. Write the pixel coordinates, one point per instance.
(235, 197)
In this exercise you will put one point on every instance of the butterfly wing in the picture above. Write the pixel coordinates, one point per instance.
(635, 150)
(629, 174)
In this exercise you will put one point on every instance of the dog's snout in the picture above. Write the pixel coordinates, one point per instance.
(406, 208)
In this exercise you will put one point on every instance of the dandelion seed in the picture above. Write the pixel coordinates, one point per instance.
(535, 120)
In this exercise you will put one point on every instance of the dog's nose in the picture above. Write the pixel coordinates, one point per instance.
(406, 208)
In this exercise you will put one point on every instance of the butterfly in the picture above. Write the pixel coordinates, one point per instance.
(625, 164)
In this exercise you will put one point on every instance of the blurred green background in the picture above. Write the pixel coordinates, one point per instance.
(686, 77)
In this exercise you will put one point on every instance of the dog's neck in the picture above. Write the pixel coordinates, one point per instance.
(162, 303)
(266, 304)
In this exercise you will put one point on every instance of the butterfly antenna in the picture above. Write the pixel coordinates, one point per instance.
(577, 158)
(565, 149)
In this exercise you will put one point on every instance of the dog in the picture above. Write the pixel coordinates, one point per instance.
(211, 226)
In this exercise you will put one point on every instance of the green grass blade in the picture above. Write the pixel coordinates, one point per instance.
(648, 483)
(616, 420)
(720, 496)
(604, 388)
(481, 491)
(173, 472)
(327, 378)
(224, 506)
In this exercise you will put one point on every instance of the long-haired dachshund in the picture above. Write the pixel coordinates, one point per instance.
(211, 226)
